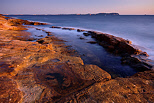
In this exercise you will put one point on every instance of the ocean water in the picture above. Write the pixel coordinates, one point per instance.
(138, 29)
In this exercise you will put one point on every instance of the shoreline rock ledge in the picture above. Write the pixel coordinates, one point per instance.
(130, 55)
(49, 72)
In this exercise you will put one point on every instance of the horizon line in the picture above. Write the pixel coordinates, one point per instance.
(75, 14)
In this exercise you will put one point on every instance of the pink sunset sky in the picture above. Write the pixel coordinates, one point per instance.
(123, 7)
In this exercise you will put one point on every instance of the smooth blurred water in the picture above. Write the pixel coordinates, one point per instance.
(137, 28)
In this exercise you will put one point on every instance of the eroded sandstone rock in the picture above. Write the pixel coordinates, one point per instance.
(55, 27)
(50, 72)
(92, 42)
(122, 47)
(9, 92)
(68, 28)
(80, 30)
(64, 79)
(119, 90)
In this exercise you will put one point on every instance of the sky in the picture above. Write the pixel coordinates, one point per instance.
(123, 7)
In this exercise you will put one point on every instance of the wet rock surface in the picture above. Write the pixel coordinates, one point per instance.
(48, 71)
(68, 28)
(15, 22)
(92, 42)
(80, 30)
(55, 27)
(131, 55)
(119, 46)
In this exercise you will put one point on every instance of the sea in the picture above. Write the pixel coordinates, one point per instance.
(137, 28)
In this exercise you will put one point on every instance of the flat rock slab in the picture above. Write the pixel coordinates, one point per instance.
(119, 90)
(9, 92)
(64, 79)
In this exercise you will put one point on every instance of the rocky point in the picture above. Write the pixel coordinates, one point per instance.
(46, 71)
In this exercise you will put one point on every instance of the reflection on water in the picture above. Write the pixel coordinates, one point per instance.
(137, 28)
(93, 53)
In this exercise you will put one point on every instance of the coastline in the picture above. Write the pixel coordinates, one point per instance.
(131, 55)
(46, 71)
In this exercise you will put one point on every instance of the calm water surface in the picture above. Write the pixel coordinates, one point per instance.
(138, 29)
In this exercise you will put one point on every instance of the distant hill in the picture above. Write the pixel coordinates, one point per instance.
(69, 14)
(93, 14)
(107, 14)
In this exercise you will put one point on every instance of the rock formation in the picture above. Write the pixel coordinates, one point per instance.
(119, 46)
(47, 71)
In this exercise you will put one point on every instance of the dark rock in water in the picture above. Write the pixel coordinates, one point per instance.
(43, 30)
(120, 46)
(86, 34)
(144, 54)
(71, 28)
(55, 27)
(38, 23)
(40, 41)
(111, 48)
(26, 22)
(49, 34)
(31, 39)
(81, 38)
(79, 30)
(48, 40)
(92, 42)
(38, 29)
(136, 63)
(68, 28)
(40, 36)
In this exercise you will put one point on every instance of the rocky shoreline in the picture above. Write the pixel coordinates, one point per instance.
(131, 55)
(47, 71)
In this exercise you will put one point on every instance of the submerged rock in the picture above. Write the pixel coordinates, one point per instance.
(81, 38)
(80, 30)
(122, 47)
(68, 28)
(136, 63)
(55, 27)
(38, 29)
(92, 42)
(86, 34)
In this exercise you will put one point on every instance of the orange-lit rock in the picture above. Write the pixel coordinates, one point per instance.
(9, 92)
(49, 71)
(119, 90)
